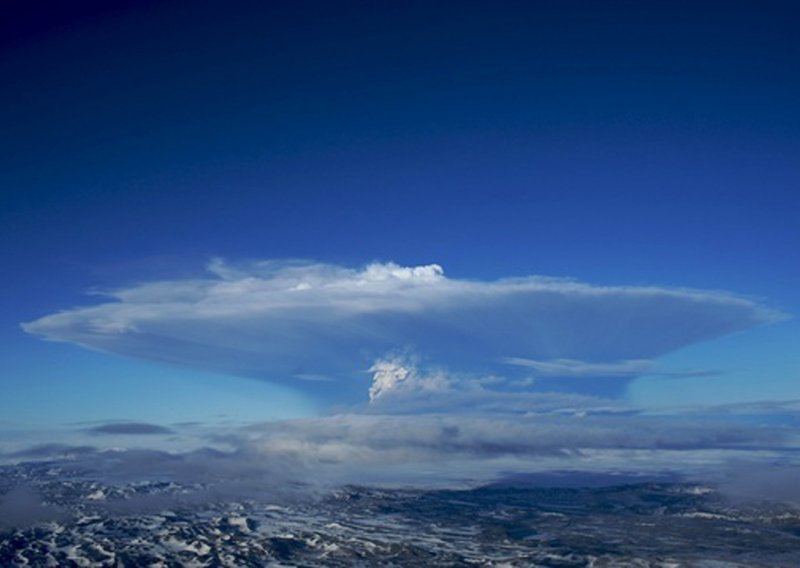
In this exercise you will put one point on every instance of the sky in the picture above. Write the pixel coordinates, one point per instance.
(304, 223)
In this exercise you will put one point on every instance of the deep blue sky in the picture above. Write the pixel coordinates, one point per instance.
(615, 142)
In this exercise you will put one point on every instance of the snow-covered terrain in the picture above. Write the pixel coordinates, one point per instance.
(83, 522)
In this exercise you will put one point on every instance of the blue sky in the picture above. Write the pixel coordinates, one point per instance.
(627, 146)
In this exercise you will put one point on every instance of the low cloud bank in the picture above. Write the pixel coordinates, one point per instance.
(298, 459)
(345, 447)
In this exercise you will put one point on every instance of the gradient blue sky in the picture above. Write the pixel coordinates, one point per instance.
(618, 143)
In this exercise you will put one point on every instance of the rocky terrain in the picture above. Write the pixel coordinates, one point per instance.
(74, 521)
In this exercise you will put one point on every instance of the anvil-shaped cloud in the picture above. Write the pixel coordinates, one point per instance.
(314, 324)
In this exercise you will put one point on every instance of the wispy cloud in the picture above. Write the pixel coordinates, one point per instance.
(573, 368)
(313, 324)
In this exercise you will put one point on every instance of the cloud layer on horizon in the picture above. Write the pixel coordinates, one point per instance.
(450, 446)
(444, 449)
(314, 324)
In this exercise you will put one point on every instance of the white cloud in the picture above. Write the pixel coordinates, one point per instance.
(288, 321)
(396, 375)
(399, 386)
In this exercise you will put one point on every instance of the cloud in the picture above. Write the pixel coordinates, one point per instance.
(573, 368)
(129, 428)
(52, 451)
(392, 376)
(291, 321)
(400, 386)
(22, 506)
(470, 381)
(262, 460)
(351, 437)
(462, 444)
(607, 378)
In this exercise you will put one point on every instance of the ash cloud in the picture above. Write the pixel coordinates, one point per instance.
(300, 322)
